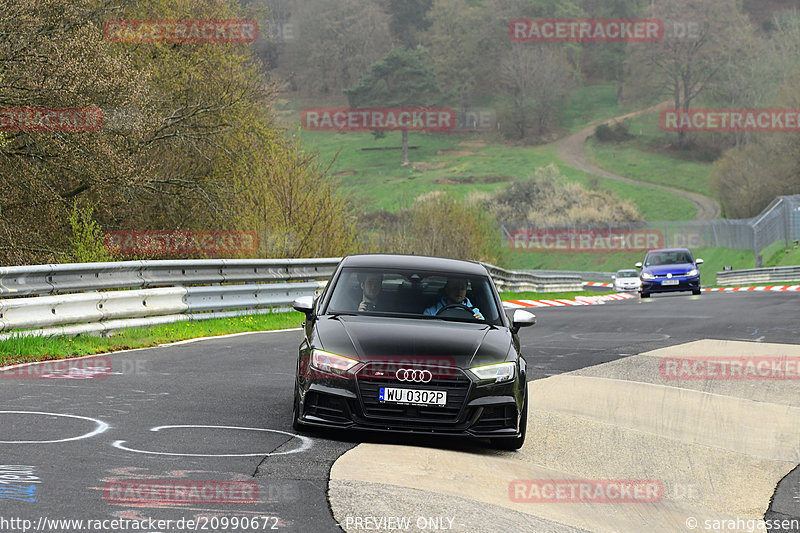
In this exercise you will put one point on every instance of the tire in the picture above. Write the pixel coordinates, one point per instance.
(645, 294)
(696, 292)
(516, 442)
(296, 425)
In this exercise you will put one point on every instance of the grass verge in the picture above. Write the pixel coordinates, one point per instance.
(779, 255)
(550, 295)
(27, 349)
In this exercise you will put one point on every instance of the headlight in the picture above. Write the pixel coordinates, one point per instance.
(330, 362)
(647, 275)
(499, 373)
(693, 272)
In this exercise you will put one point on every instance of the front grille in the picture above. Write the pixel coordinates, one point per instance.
(453, 381)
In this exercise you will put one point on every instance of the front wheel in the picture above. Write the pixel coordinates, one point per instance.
(696, 292)
(296, 425)
(516, 442)
(645, 294)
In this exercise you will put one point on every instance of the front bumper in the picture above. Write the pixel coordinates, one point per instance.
(684, 284)
(472, 409)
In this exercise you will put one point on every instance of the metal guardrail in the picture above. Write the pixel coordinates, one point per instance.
(73, 277)
(101, 298)
(521, 281)
(759, 275)
(604, 277)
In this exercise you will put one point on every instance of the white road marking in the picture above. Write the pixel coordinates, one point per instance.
(101, 427)
(306, 443)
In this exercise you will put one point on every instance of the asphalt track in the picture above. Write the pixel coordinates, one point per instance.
(218, 410)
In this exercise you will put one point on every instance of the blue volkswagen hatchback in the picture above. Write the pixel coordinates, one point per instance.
(672, 270)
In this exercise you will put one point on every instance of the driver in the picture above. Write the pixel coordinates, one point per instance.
(455, 293)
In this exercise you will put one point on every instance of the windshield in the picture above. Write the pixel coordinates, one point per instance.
(668, 258)
(627, 274)
(417, 294)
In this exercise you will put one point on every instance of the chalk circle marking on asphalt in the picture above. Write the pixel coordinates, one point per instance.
(623, 336)
(306, 443)
(101, 427)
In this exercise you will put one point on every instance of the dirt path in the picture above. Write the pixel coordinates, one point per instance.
(570, 149)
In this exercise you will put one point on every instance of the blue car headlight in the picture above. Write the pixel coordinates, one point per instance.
(693, 272)
(647, 275)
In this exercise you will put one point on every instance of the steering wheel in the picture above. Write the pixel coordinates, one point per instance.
(460, 307)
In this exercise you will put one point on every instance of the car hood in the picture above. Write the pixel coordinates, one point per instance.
(676, 269)
(370, 338)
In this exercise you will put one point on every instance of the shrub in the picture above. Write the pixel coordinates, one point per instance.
(86, 243)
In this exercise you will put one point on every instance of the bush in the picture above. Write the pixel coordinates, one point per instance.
(607, 134)
(86, 243)
(438, 224)
(548, 199)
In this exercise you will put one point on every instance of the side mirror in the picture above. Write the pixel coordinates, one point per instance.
(522, 319)
(304, 304)
(698, 262)
(639, 264)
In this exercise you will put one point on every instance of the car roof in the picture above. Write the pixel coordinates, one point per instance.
(669, 250)
(411, 262)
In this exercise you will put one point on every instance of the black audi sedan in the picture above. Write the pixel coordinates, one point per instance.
(412, 344)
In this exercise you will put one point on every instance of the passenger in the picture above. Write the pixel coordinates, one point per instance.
(371, 286)
(455, 293)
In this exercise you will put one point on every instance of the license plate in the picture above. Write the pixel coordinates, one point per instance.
(670, 282)
(412, 396)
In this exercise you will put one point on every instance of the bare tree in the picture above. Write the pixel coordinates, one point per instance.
(536, 80)
(683, 67)
(340, 39)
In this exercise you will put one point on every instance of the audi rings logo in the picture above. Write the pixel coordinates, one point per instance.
(412, 374)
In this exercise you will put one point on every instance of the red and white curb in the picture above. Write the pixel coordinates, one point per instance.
(595, 300)
(716, 289)
(579, 300)
(768, 288)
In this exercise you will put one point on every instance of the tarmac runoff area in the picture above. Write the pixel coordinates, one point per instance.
(717, 447)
